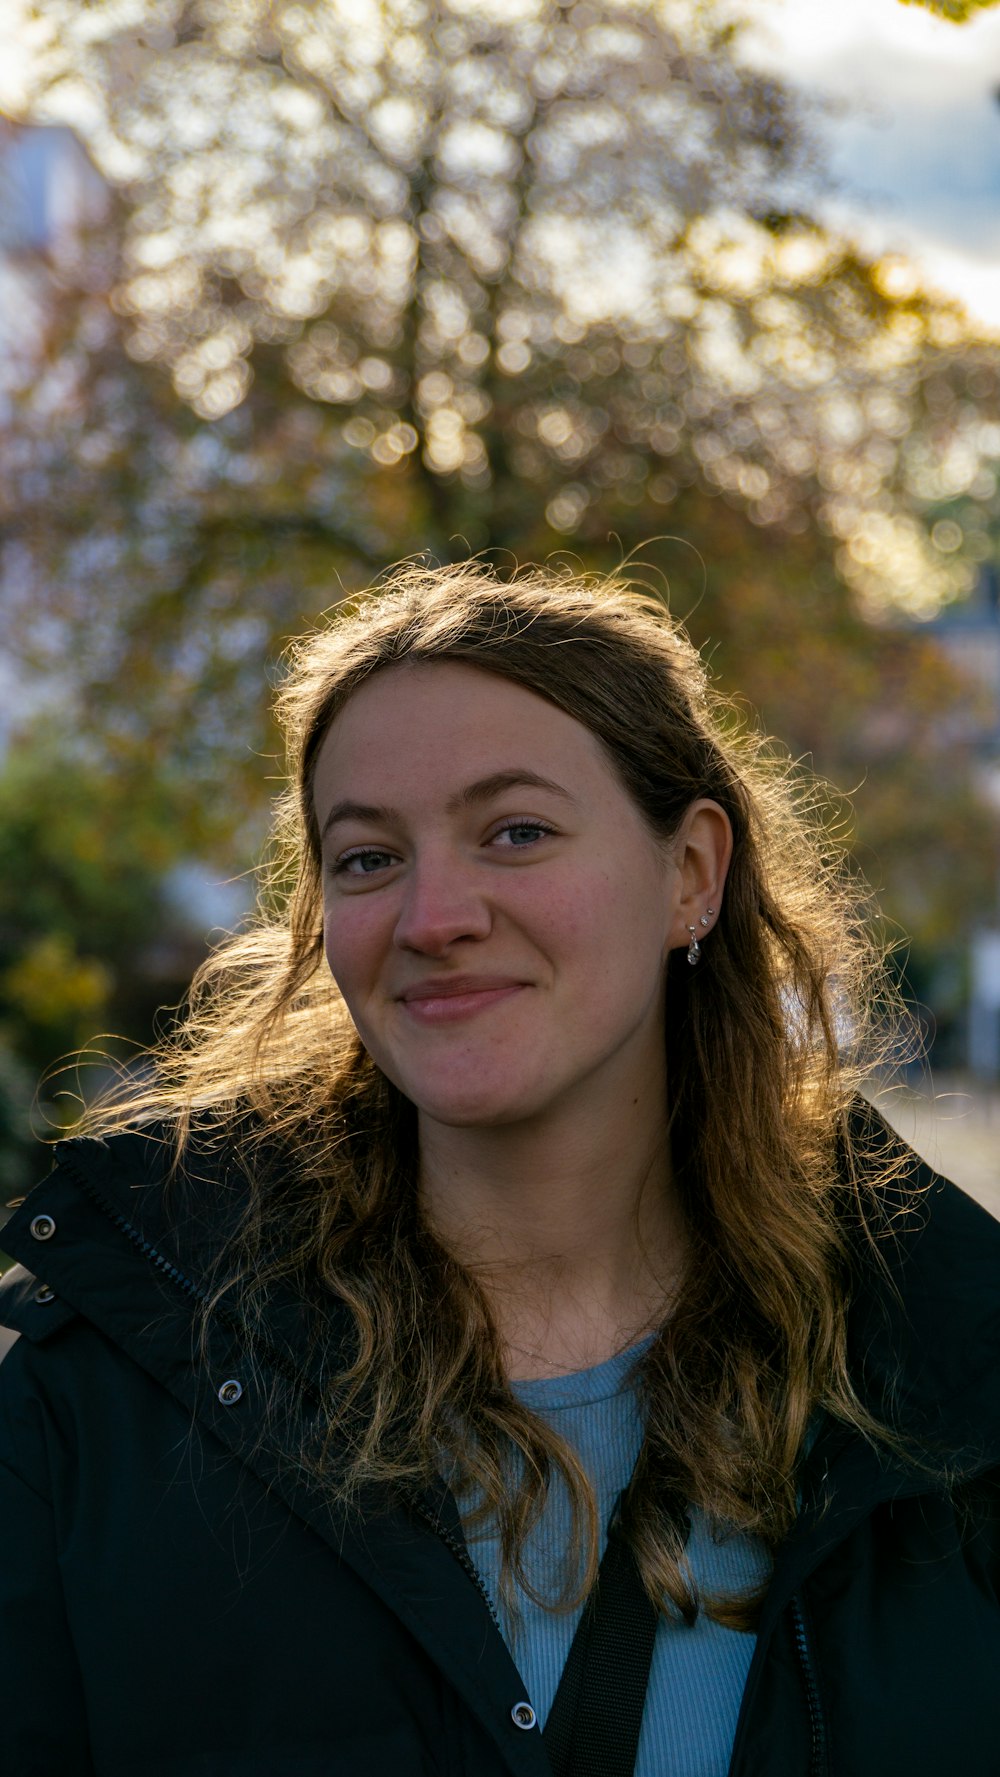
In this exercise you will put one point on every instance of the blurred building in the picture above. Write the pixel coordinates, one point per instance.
(49, 186)
(970, 635)
(50, 196)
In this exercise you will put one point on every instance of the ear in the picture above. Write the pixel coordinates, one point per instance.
(702, 850)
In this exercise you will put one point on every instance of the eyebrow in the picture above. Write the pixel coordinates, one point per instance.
(483, 790)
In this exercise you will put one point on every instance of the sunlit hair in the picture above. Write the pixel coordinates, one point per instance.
(766, 1044)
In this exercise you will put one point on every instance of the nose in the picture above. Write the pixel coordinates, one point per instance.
(441, 905)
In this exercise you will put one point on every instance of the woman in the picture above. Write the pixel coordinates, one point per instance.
(541, 1232)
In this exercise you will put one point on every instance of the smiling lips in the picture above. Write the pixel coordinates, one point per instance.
(456, 996)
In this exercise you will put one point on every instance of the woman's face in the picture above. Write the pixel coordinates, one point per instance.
(497, 913)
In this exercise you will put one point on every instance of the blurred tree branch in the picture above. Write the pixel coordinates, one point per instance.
(957, 11)
(479, 280)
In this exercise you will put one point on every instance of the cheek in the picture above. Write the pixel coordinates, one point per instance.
(603, 913)
(587, 933)
(619, 924)
(556, 926)
(351, 942)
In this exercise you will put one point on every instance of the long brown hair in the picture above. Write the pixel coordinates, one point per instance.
(766, 1044)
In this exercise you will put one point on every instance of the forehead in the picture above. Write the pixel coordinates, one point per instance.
(442, 722)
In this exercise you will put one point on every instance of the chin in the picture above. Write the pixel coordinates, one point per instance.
(478, 1108)
(478, 1119)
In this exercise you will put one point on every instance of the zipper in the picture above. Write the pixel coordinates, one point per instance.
(817, 1757)
(458, 1549)
(167, 1269)
(145, 1247)
(151, 1253)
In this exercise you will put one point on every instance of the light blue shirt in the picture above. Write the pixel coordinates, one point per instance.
(698, 1673)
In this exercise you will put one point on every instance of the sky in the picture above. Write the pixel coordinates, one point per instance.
(913, 132)
(912, 125)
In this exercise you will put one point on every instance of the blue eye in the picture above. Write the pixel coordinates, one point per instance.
(532, 828)
(341, 867)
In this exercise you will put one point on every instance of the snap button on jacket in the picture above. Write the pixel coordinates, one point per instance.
(177, 1599)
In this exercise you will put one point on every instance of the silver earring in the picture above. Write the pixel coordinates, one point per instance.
(694, 948)
(706, 916)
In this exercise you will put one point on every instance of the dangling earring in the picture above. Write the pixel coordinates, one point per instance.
(694, 948)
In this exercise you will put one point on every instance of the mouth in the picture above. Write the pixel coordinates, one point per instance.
(440, 1004)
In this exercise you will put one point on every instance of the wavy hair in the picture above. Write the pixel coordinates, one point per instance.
(766, 1046)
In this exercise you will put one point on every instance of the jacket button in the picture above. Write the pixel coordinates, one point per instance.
(44, 1294)
(41, 1227)
(523, 1716)
(230, 1392)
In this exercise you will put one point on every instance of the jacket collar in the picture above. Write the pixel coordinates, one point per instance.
(924, 1319)
(923, 1340)
(923, 1337)
(110, 1229)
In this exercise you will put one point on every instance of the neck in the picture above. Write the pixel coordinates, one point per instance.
(570, 1224)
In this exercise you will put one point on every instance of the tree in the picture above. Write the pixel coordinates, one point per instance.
(557, 256)
(958, 12)
(94, 935)
(499, 279)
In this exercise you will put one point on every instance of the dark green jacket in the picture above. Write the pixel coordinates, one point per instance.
(177, 1600)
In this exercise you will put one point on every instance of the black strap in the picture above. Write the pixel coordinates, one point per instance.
(593, 1726)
